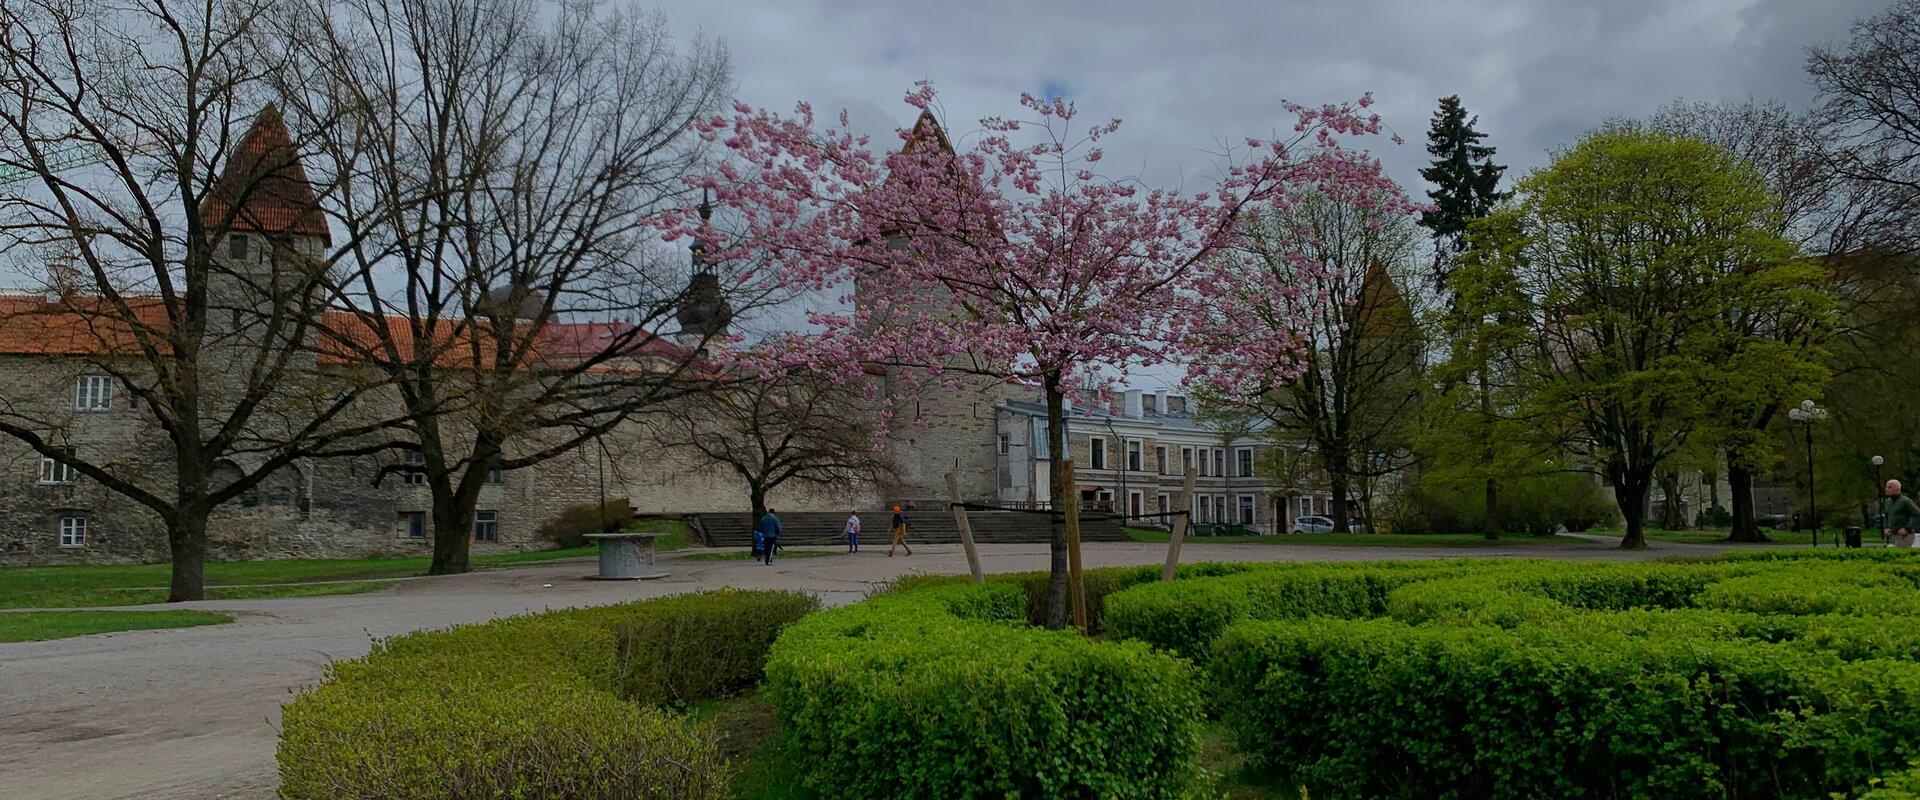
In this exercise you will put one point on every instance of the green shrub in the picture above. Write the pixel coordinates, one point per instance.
(944, 691)
(1770, 675)
(532, 707)
(1185, 616)
(570, 527)
(701, 646)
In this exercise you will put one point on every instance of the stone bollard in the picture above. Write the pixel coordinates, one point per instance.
(625, 556)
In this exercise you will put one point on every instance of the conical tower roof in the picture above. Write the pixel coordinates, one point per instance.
(264, 178)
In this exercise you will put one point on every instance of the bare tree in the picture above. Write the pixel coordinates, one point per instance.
(501, 166)
(793, 427)
(1360, 383)
(177, 238)
(1870, 91)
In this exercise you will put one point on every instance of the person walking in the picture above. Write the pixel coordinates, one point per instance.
(852, 531)
(769, 530)
(899, 531)
(1899, 515)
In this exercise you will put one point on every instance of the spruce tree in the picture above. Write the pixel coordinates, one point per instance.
(1465, 182)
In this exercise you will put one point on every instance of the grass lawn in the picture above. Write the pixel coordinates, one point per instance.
(1362, 539)
(39, 626)
(1713, 536)
(135, 584)
(765, 769)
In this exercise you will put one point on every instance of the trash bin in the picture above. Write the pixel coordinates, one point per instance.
(1853, 536)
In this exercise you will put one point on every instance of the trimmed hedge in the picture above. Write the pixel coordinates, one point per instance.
(1765, 676)
(942, 690)
(547, 705)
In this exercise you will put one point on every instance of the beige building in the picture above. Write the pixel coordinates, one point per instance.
(1135, 461)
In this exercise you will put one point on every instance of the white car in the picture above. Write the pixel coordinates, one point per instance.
(1314, 524)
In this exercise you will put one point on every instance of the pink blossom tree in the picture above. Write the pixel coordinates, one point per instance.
(1016, 258)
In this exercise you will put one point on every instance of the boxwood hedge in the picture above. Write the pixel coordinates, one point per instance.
(944, 690)
(560, 704)
(1764, 676)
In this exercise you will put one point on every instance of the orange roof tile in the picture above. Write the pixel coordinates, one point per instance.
(74, 326)
(265, 177)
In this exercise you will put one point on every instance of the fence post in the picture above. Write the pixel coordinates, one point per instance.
(965, 526)
(1180, 523)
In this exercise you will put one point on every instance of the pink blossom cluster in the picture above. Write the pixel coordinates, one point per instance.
(1015, 257)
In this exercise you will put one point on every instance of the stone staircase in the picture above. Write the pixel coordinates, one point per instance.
(924, 527)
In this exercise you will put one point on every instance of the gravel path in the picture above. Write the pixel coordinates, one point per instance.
(191, 713)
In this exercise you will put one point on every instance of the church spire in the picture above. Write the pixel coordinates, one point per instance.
(704, 311)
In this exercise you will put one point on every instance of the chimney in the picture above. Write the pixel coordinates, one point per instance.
(1131, 404)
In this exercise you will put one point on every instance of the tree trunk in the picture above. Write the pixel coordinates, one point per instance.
(1630, 492)
(1740, 485)
(1490, 511)
(1337, 506)
(1671, 516)
(452, 531)
(1489, 515)
(1057, 602)
(757, 502)
(187, 543)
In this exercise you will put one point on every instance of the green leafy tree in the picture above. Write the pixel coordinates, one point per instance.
(1784, 329)
(1612, 275)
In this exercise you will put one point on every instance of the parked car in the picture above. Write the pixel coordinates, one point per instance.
(1315, 524)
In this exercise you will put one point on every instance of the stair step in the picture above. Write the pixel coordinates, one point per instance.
(823, 528)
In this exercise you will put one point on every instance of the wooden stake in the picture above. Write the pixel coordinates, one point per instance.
(1076, 587)
(965, 526)
(1179, 528)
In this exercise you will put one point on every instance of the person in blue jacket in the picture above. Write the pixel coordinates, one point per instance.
(769, 533)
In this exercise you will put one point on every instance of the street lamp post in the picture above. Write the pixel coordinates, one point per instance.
(1808, 414)
(1879, 517)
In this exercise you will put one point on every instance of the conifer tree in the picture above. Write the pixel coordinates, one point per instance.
(1466, 182)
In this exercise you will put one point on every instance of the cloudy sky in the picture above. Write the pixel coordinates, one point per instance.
(1185, 75)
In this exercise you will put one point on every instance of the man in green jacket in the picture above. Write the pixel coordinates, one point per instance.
(1900, 516)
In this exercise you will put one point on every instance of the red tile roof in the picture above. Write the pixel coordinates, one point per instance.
(74, 326)
(264, 176)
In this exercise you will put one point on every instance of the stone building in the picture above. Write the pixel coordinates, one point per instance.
(1135, 461)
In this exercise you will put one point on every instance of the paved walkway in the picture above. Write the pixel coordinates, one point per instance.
(190, 713)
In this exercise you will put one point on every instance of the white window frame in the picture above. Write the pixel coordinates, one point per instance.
(1096, 452)
(54, 473)
(93, 393)
(496, 476)
(1136, 503)
(73, 529)
(1220, 508)
(1006, 443)
(1220, 463)
(491, 521)
(1243, 461)
(1186, 460)
(1246, 509)
(1160, 459)
(1200, 455)
(1136, 455)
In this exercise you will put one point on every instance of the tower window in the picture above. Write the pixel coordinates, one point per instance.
(93, 393)
(54, 472)
(73, 531)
